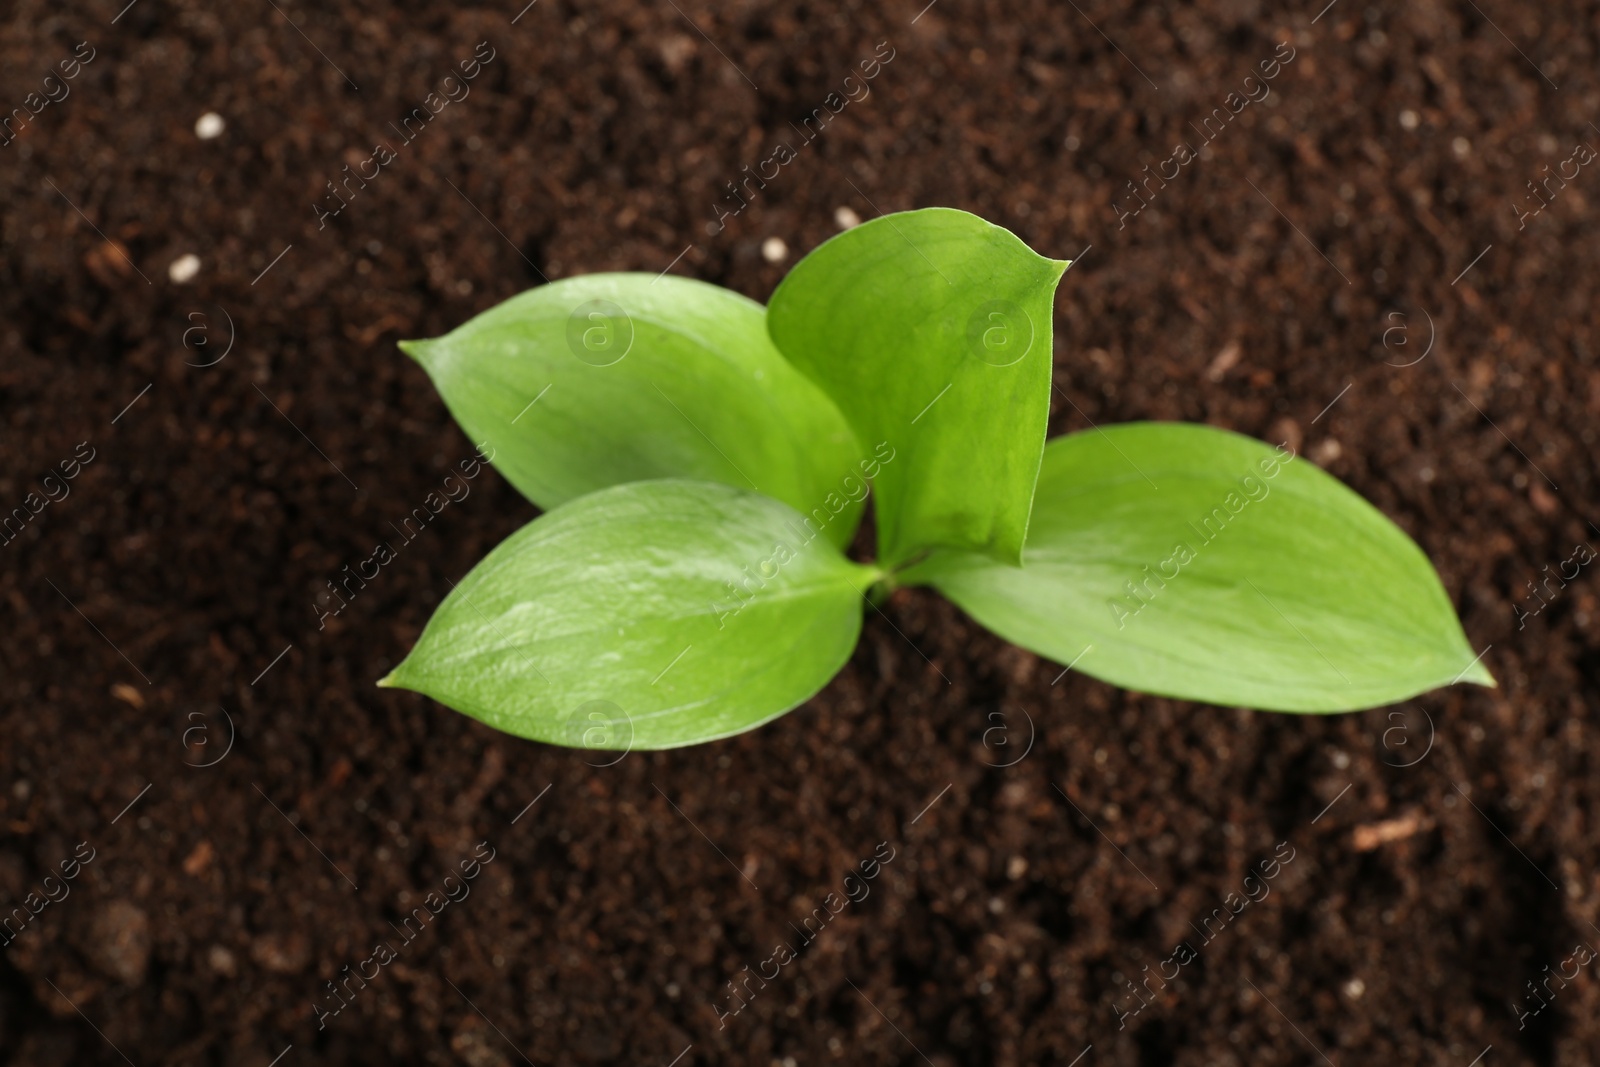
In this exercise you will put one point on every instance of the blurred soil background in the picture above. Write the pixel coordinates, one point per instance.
(1375, 206)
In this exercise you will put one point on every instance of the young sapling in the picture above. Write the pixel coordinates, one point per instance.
(703, 462)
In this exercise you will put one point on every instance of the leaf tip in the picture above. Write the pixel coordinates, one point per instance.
(417, 350)
(1478, 674)
(1057, 268)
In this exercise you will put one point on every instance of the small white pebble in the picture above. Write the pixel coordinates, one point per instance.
(1461, 147)
(209, 125)
(1325, 452)
(846, 218)
(773, 250)
(184, 268)
(1409, 119)
(1354, 988)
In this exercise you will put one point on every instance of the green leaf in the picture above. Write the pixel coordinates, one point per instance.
(931, 331)
(614, 621)
(1196, 563)
(612, 378)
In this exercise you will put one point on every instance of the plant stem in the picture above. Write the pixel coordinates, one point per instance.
(880, 590)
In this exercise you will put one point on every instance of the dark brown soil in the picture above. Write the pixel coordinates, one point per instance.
(1252, 292)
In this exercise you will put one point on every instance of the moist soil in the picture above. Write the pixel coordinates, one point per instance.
(1352, 265)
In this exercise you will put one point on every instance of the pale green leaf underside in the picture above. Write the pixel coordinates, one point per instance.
(620, 601)
(610, 378)
(1307, 599)
(931, 331)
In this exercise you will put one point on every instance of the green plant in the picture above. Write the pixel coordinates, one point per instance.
(703, 463)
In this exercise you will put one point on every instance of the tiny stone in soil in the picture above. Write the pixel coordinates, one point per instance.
(120, 942)
(209, 125)
(184, 268)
